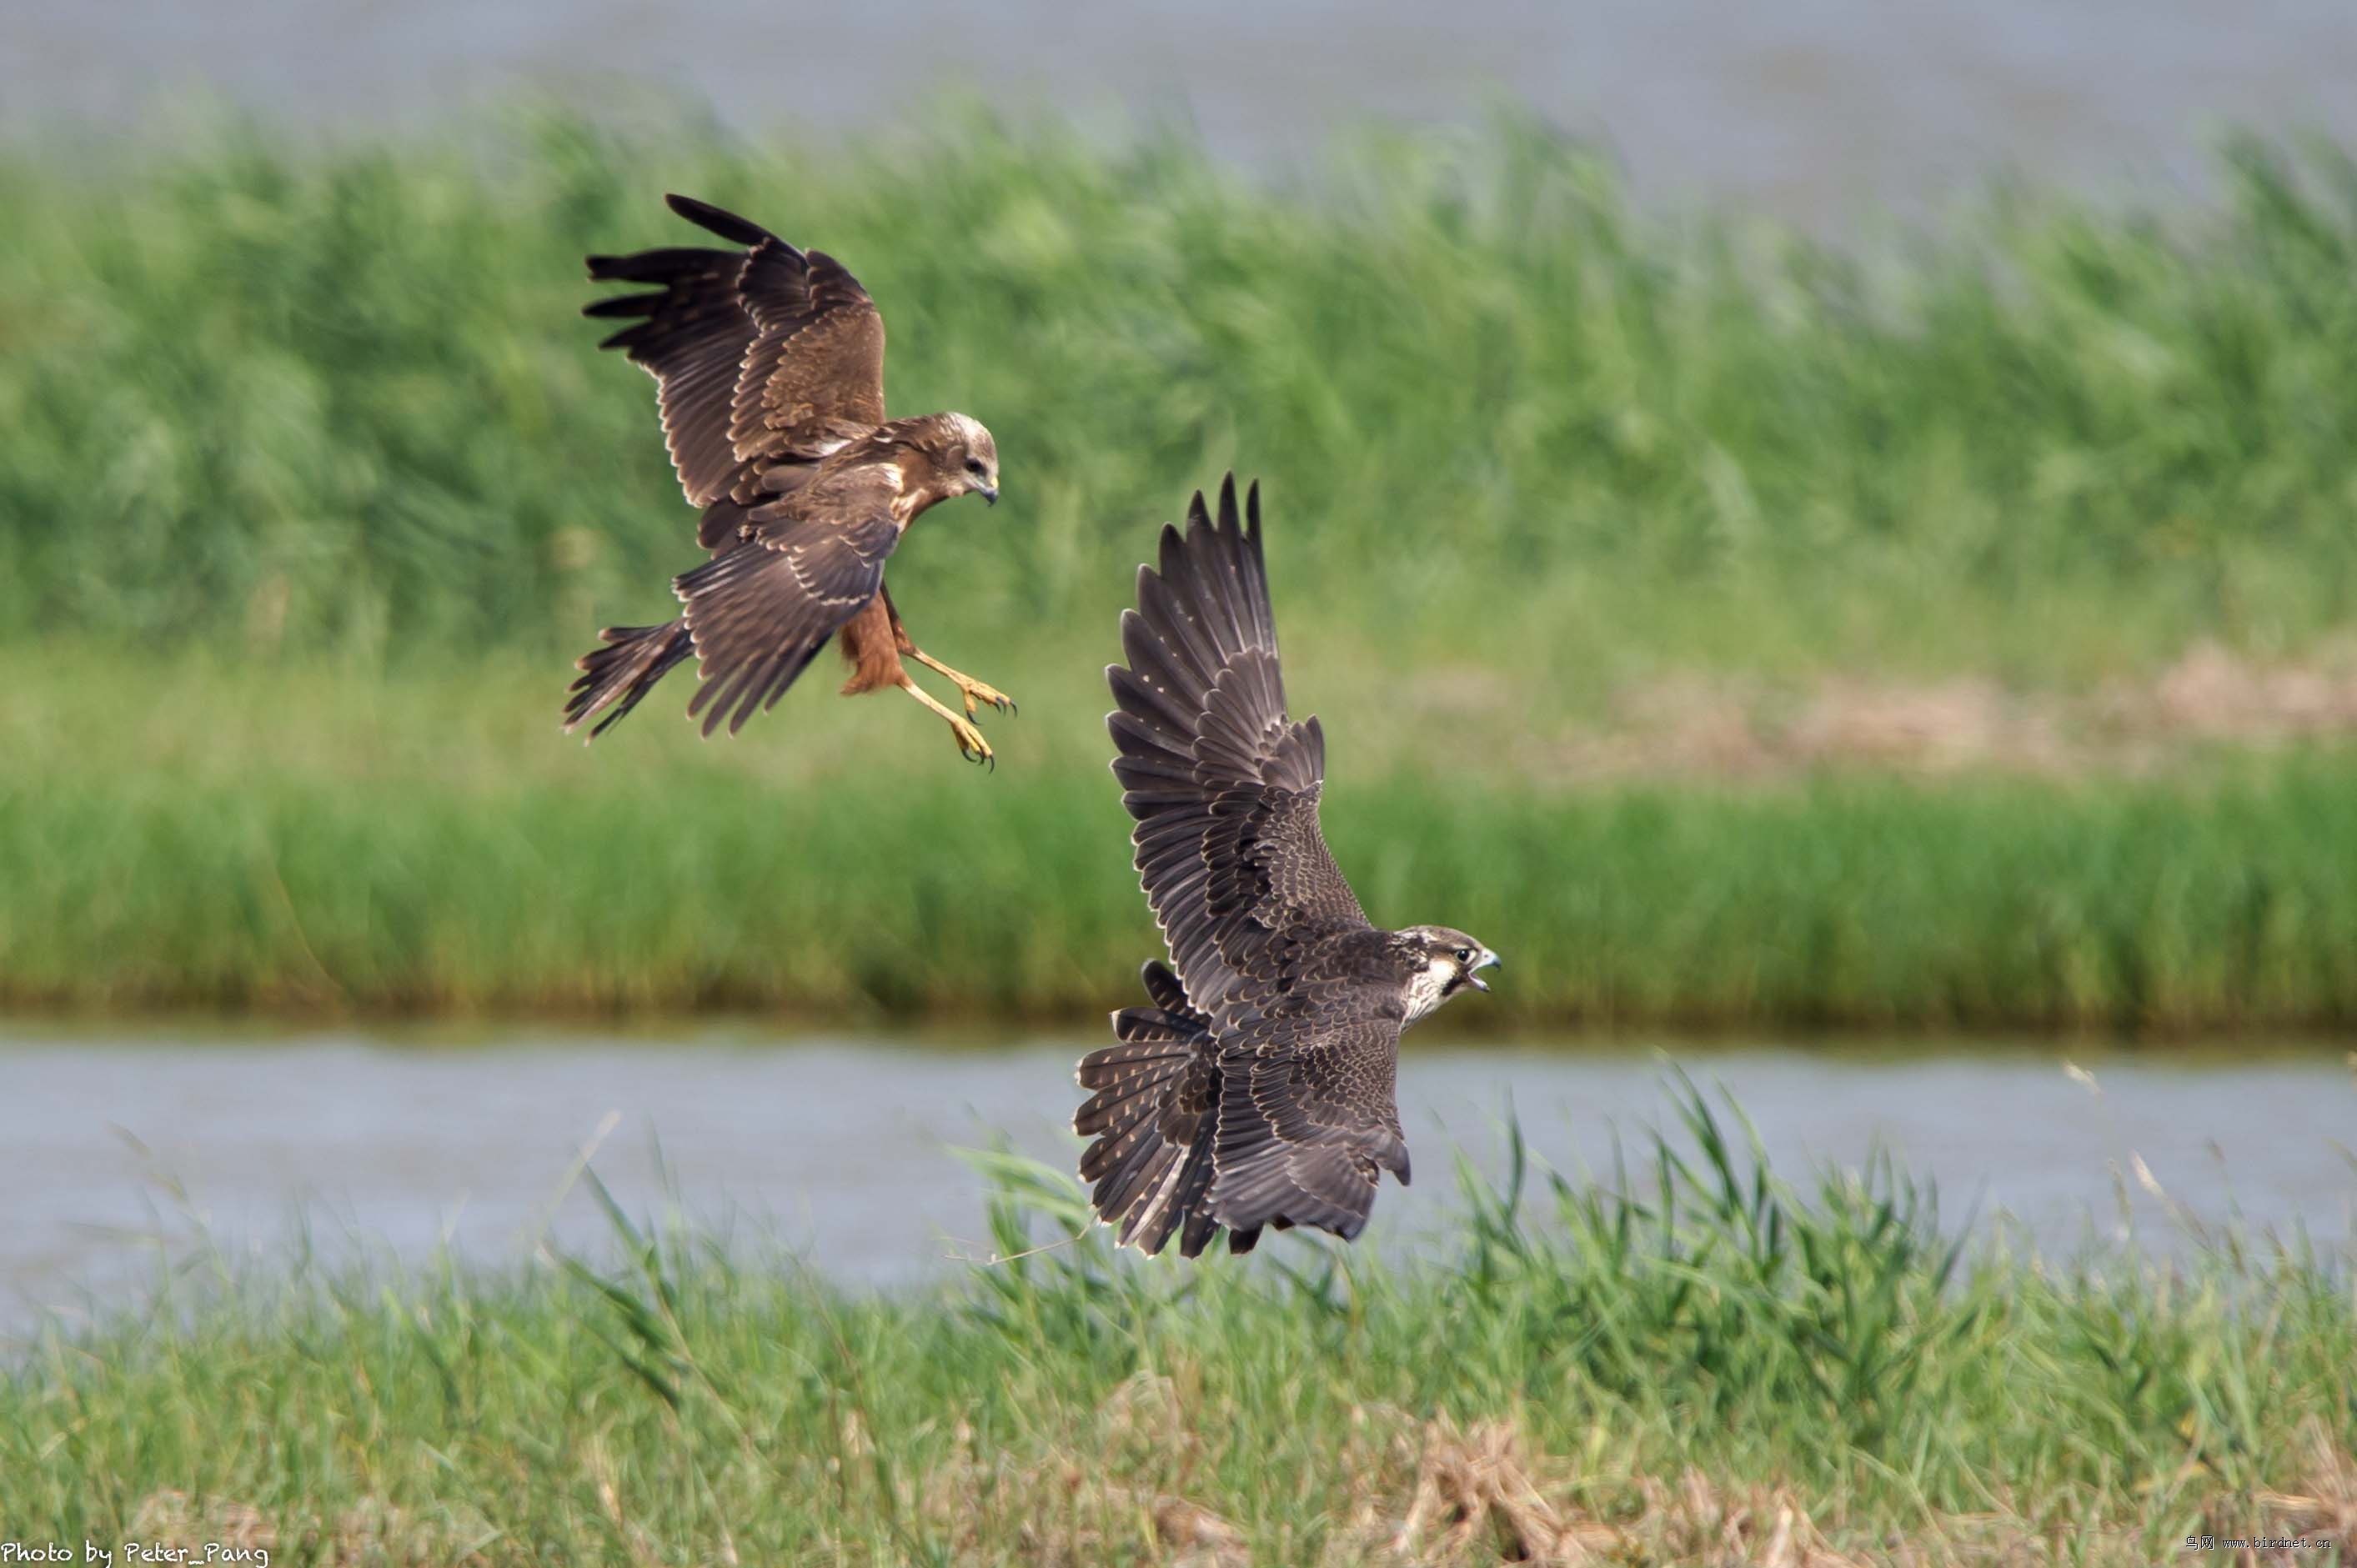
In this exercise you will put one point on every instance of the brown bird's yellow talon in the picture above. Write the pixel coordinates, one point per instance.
(975, 693)
(970, 743)
(769, 367)
(971, 746)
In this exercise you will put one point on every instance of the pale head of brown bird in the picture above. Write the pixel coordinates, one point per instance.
(1448, 960)
(938, 458)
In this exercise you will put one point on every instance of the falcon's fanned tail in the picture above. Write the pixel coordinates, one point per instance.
(1151, 1162)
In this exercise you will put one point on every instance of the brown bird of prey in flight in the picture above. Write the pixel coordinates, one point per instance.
(769, 368)
(1257, 1090)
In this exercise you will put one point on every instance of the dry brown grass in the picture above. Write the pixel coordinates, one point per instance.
(1428, 1493)
(372, 1535)
(1684, 727)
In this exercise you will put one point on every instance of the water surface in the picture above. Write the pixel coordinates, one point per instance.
(1815, 110)
(121, 1148)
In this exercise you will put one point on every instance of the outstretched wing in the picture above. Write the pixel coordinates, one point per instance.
(1307, 1118)
(766, 359)
(759, 614)
(1223, 786)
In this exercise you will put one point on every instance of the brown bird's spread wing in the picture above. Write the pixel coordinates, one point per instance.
(766, 359)
(1223, 786)
(759, 614)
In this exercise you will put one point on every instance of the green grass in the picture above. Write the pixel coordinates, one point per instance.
(314, 843)
(1676, 1363)
(339, 398)
(314, 484)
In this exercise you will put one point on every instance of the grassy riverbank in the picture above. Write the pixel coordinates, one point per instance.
(1732, 629)
(318, 844)
(1710, 1363)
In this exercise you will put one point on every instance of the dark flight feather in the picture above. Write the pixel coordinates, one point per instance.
(766, 359)
(617, 676)
(1269, 1053)
(768, 363)
(759, 614)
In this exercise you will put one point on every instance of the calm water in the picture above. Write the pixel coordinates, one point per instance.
(844, 1148)
(1814, 109)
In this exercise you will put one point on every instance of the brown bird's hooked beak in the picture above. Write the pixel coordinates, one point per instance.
(1487, 961)
(989, 493)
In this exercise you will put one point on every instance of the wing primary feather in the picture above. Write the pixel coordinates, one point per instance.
(1292, 1101)
(1151, 710)
(719, 221)
(1156, 661)
(621, 304)
(1175, 627)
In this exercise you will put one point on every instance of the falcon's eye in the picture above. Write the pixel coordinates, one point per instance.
(1465, 955)
(973, 466)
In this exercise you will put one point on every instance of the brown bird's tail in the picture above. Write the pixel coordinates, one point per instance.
(617, 675)
(1151, 1118)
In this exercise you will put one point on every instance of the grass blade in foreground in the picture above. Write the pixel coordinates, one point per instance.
(1650, 1373)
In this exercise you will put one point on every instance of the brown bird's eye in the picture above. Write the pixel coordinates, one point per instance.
(973, 466)
(1465, 955)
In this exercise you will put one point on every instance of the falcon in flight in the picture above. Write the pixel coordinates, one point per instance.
(768, 363)
(1257, 1088)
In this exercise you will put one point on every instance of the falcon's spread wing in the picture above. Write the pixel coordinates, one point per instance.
(1307, 1115)
(1259, 1090)
(766, 359)
(759, 613)
(1223, 786)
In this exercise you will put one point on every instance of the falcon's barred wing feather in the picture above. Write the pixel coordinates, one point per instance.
(1258, 1091)
(1223, 786)
(1289, 1123)
(1307, 1118)
(759, 613)
(766, 357)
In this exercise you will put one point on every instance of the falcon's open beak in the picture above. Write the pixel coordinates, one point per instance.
(1487, 961)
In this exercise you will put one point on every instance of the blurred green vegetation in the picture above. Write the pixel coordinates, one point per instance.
(314, 483)
(310, 842)
(1683, 1362)
(339, 398)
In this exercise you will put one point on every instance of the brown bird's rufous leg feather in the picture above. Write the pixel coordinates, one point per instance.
(872, 643)
(975, 692)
